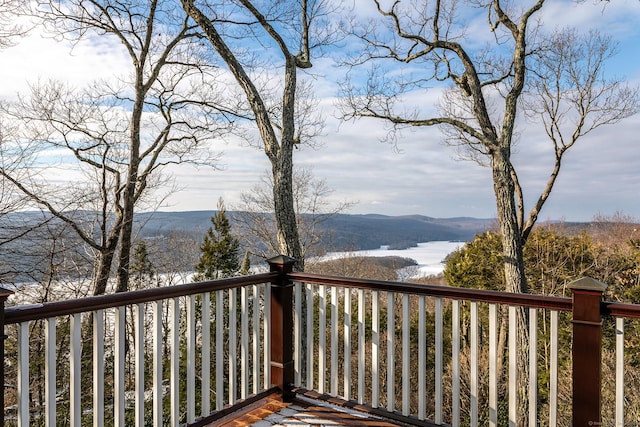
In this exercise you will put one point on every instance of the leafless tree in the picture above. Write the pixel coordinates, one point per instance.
(119, 134)
(264, 44)
(557, 78)
(312, 207)
(20, 220)
(10, 27)
(11, 156)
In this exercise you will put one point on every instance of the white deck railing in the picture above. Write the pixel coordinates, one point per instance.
(415, 368)
(417, 353)
(434, 353)
(173, 359)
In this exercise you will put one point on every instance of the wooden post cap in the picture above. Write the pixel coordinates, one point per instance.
(587, 284)
(281, 259)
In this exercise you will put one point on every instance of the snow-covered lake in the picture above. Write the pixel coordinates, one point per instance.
(429, 255)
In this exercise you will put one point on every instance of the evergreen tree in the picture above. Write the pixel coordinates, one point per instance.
(141, 270)
(245, 269)
(552, 260)
(219, 249)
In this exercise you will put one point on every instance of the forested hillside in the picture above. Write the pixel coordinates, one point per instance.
(338, 232)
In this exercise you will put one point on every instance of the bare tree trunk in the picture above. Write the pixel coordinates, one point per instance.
(103, 271)
(130, 193)
(106, 254)
(504, 189)
(279, 152)
(125, 242)
(282, 167)
(288, 237)
(515, 280)
(502, 345)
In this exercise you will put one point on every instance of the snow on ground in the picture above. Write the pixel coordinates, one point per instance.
(429, 256)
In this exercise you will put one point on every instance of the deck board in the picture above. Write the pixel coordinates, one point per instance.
(302, 412)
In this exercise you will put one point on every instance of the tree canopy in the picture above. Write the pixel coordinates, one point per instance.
(553, 257)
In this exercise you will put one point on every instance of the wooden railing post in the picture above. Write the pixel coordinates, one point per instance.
(587, 350)
(282, 326)
(4, 294)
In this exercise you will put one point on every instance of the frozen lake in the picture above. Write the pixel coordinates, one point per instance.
(429, 255)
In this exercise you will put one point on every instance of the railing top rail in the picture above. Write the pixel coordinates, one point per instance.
(498, 297)
(619, 309)
(17, 314)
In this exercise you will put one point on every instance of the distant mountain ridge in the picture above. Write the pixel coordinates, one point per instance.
(340, 231)
(399, 232)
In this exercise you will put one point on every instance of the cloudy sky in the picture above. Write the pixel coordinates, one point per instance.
(420, 175)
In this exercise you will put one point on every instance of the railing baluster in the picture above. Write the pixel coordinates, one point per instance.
(533, 367)
(309, 348)
(438, 365)
(406, 348)
(174, 382)
(157, 363)
(322, 337)
(220, 295)
(619, 420)
(233, 350)
(119, 365)
(375, 348)
(513, 367)
(473, 387)
(422, 358)
(23, 374)
(391, 347)
(75, 369)
(361, 342)
(256, 339)
(347, 344)
(244, 343)
(139, 364)
(205, 356)
(50, 371)
(493, 365)
(98, 368)
(334, 341)
(455, 363)
(191, 358)
(553, 370)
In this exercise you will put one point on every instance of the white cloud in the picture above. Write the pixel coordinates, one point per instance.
(423, 177)
(618, 18)
(38, 56)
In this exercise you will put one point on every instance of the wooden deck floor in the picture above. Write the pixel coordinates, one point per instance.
(302, 412)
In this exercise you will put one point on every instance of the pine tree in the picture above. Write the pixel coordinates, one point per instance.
(245, 269)
(219, 249)
(141, 270)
